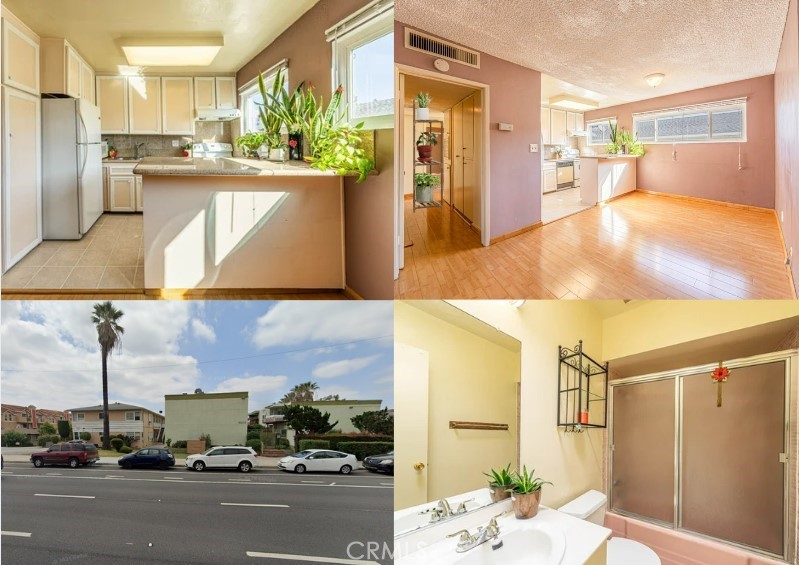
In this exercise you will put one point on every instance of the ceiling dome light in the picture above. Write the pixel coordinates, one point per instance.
(654, 79)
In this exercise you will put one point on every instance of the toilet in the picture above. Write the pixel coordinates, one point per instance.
(621, 551)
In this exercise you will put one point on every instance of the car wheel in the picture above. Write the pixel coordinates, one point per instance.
(38, 462)
(346, 470)
(163, 465)
(198, 465)
(73, 463)
(127, 465)
(299, 469)
(245, 466)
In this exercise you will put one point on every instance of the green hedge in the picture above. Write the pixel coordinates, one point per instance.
(85, 436)
(255, 444)
(12, 437)
(125, 449)
(336, 439)
(282, 443)
(253, 435)
(361, 449)
(179, 444)
(314, 444)
(44, 440)
(117, 443)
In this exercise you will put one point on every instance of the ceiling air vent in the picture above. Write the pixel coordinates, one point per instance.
(419, 41)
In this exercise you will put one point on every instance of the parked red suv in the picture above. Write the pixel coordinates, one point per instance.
(72, 454)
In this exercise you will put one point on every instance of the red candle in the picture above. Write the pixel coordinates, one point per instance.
(583, 417)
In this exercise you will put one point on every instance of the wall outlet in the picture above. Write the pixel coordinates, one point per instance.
(175, 143)
(533, 148)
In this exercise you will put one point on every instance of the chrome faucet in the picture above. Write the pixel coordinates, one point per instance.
(139, 146)
(442, 510)
(467, 541)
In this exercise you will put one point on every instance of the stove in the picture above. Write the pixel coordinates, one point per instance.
(212, 150)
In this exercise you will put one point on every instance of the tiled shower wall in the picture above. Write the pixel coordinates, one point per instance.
(161, 145)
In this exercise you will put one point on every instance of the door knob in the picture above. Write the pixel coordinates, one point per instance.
(418, 466)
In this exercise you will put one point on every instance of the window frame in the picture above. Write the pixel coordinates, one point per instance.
(343, 47)
(588, 125)
(246, 92)
(709, 109)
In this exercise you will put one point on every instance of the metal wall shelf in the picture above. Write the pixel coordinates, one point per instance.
(582, 390)
(434, 166)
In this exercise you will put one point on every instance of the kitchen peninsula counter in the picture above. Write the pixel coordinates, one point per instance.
(606, 176)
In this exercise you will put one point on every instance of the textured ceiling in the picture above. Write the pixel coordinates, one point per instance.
(93, 26)
(608, 46)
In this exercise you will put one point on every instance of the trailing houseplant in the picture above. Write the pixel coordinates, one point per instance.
(525, 492)
(499, 484)
(423, 100)
(250, 142)
(423, 186)
(424, 145)
(340, 149)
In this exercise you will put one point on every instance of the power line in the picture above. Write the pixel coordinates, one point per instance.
(227, 360)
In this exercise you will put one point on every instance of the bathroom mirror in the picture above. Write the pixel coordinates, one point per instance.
(456, 412)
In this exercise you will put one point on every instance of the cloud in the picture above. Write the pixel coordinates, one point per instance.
(385, 380)
(257, 383)
(201, 330)
(290, 323)
(332, 369)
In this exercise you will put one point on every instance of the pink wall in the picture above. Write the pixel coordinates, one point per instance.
(786, 104)
(515, 94)
(368, 207)
(710, 170)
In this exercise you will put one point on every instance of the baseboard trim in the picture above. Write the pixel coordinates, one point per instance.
(351, 294)
(514, 233)
(706, 201)
(785, 248)
(409, 196)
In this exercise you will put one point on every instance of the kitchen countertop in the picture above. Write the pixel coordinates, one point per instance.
(610, 156)
(227, 166)
(109, 161)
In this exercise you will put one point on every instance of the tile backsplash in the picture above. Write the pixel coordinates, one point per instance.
(161, 145)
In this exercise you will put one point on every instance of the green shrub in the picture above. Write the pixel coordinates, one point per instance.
(282, 443)
(179, 444)
(255, 427)
(13, 437)
(336, 439)
(45, 439)
(169, 442)
(64, 429)
(314, 444)
(125, 449)
(255, 444)
(361, 449)
(85, 436)
(253, 435)
(207, 439)
(117, 443)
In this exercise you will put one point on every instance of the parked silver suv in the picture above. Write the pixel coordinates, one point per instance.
(224, 457)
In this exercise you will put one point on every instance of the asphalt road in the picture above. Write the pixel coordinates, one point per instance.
(110, 515)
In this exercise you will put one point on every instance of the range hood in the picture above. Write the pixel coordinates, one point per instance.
(218, 115)
(577, 133)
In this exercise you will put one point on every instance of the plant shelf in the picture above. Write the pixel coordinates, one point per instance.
(582, 390)
(429, 126)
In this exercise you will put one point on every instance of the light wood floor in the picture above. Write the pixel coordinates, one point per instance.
(638, 246)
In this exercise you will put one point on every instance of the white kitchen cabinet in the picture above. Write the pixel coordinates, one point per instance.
(87, 82)
(550, 183)
(112, 98)
(177, 105)
(575, 121)
(225, 93)
(73, 75)
(22, 181)
(558, 134)
(106, 207)
(144, 105)
(20, 59)
(64, 71)
(580, 122)
(139, 195)
(122, 193)
(545, 127)
(205, 93)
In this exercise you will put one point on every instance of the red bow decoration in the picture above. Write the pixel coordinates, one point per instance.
(720, 375)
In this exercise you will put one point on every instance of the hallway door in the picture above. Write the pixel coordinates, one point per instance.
(457, 156)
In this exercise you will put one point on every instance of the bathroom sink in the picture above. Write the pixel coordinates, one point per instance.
(538, 545)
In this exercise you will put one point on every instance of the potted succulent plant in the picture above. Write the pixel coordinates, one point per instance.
(250, 142)
(424, 145)
(629, 143)
(423, 106)
(272, 122)
(290, 110)
(525, 492)
(499, 484)
(424, 183)
(614, 147)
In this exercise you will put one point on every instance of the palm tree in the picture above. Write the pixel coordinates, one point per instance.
(109, 336)
(303, 392)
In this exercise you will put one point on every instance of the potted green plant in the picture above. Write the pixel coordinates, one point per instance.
(499, 484)
(629, 143)
(290, 109)
(424, 183)
(340, 149)
(423, 100)
(525, 492)
(613, 147)
(272, 122)
(250, 142)
(424, 145)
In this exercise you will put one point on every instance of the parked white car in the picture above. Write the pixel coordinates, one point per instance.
(319, 460)
(224, 457)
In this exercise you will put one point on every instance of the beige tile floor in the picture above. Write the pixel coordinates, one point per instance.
(557, 205)
(110, 256)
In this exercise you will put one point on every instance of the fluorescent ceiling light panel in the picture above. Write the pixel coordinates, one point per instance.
(572, 102)
(170, 51)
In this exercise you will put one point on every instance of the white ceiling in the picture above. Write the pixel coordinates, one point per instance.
(609, 46)
(92, 27)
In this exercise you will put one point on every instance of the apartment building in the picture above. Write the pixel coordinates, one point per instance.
(221, 415)
(27, 419)
(143, 425)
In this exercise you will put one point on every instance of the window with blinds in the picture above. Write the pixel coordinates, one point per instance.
(705, 123)
(599, 131)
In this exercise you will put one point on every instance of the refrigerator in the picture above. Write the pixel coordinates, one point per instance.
(72, 167)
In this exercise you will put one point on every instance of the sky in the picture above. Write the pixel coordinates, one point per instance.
(49, 355)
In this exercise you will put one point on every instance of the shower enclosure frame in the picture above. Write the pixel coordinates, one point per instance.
(791, 359)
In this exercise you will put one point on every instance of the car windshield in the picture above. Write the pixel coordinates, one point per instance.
(302, 454)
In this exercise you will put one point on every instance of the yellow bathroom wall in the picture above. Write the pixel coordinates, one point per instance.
(573, 462)
(662, 323)
(470, 379)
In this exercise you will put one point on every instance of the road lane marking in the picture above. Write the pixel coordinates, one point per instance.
(257, 505)
(17, 534)
(193, 482)
(332, 484)
(63, 495)
(54, 474)
(115, 476)
(174, 478)
(313, 558)
(388, 484)
(320, 482)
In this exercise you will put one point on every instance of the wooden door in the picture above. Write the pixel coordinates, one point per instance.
(22, 184)
(74, 73)
(144, 99)
(205, 93)
(468, 158)
(412, 374)
(457, 157)
(122, 193)
(225, 93)
(20, 59)
(112, 98)
(177, 105)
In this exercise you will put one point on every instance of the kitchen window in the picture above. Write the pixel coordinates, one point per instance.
(599, 131)
(363, 63)
(251, 99)
(703, 123)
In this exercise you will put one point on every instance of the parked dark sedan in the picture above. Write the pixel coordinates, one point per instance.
(159, 457)
(380, 463)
